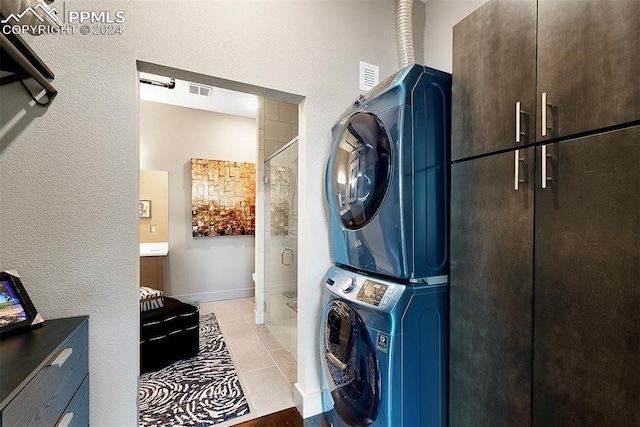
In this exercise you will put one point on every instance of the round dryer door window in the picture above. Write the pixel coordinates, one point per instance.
(351, 365)
(360, 170)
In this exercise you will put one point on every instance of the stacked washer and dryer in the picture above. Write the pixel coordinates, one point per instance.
(384, 331)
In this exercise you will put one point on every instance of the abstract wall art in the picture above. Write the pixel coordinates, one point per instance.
(222, 198)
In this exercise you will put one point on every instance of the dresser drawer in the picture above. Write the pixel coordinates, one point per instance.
(43, 400)
(77, 413)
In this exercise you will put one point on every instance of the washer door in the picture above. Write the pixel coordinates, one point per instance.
(359, 170)
(351, 365)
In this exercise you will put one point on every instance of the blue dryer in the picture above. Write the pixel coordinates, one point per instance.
(383, 352)
(387, 179)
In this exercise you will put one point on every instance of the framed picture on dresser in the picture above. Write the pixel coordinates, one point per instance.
(16, 309)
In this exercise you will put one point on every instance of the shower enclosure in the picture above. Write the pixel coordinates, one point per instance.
(281, 245)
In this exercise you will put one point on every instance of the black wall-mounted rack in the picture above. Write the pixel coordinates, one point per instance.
(21, 62)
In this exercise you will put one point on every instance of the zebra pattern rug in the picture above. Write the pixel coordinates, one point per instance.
(201, 391)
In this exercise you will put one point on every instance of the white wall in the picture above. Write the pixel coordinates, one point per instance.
(198, 268)
(68, 173)
(440, 17)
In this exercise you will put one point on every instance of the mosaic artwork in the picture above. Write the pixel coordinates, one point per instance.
(280, 193)
(222, 198)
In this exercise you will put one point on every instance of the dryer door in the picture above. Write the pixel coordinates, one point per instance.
(351, 365)
(359, 170)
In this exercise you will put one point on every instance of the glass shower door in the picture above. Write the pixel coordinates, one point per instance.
(281, 246)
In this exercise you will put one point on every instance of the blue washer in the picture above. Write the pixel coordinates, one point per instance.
(387, 178)
(383, 351)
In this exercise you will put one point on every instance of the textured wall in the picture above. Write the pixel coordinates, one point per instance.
(82, 257)
(440, 17)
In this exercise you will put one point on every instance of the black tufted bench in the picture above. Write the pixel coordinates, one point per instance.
(168, 334)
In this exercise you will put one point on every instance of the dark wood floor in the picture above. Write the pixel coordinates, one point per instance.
(287, 418)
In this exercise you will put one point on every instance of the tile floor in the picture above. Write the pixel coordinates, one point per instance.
(265, 368)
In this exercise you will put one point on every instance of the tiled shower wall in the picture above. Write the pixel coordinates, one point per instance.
(277, 125)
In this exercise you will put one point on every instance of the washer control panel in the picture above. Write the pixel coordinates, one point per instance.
(360, 289)
(348, 285)
(372, 292)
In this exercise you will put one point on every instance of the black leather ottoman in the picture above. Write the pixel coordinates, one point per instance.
(168, 334)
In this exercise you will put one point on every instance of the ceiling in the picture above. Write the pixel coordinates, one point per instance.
(209, 98)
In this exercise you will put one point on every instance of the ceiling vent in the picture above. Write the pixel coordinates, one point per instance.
(200, 90)
(369, 76)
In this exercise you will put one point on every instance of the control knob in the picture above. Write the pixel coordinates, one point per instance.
(348, 285)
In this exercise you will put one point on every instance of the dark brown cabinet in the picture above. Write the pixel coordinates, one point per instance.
(545, 239)
(494, 78)
(545, 295)
(527, 71)
(491, 291)
(588, 65)
(587, 283)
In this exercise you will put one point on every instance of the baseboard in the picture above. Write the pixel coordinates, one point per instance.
(216, 296)
(308, 404)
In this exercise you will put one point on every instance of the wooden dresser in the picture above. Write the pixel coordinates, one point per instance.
(44, 375)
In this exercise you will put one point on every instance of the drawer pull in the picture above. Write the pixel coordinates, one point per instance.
(62, 357)
(65, 420)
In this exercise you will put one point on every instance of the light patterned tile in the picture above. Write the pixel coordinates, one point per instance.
(238, 333)
(270, 147)
(249, 355)
(269, 341)
(228, 316)
(270, 109)
(287, 112)
(277, 131)
(266, 376)
(269, 390)
(286, 364)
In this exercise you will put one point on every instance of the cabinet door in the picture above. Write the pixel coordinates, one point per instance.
(494, 66)
(587, 284)
(588, 64)
(490, 291)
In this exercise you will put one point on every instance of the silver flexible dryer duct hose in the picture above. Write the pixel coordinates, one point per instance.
(404, 32)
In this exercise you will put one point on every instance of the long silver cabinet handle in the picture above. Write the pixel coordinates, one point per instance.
(519, 113)
(516, 175)
(545, 156)
(544, 166)
(62, 357)
(545, 128)
(544, 113)
(66, 419)
(517, 121)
